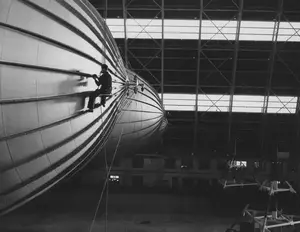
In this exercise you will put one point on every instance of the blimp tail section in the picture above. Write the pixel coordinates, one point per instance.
(48, 51)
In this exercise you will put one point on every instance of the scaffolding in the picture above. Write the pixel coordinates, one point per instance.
(216, 57)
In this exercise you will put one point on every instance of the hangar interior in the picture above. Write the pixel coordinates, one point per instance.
(240, 66)
(227, 75)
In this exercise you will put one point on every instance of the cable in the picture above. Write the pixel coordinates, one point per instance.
(106, 197)
(106, 179)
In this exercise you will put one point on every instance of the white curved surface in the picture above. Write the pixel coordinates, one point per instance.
(45, 133)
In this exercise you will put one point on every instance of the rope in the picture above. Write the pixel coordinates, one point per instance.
(106, 179)
(106, 197)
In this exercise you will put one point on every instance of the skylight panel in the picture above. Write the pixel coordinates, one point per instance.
(178, 102)
(177, 96)
(182, 36)
(179, 107)
(282, 105)
(143, 35)
(213, 102)
(247, 104)
(181, 23)
(211, 30)
(220, 103)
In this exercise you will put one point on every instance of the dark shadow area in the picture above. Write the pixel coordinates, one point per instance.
(69, 86)
(72, 201)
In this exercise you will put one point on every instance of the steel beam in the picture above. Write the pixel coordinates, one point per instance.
(162, 49)
(271, 71)
(272, 57)
(202, 58)
(223, 86)
(197, 79)
(192, 9)
(125, 32)
(214, 49)
(235, 59)
(219, 29)
(296, 145)
(106, 10)
(217, 68)
(143, 29)
(206, 70)
(297, 114)
(288, 68)
(105, 17)
(128, 48)
(144, 67)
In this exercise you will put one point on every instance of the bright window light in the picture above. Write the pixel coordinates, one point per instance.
(211, 30)
(249, 104)
(241, 163)
(181, 23)
(237, 163)
(282, 105)
(220, 103)
(179, 102)
(289, 31)
(179, 108)
(114, 178)
(213, 103)
(143, 22)
(177, 96)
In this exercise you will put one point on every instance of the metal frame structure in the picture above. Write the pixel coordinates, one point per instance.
(271, 71)
(127, 51)
(195, 146)
(234, 68)
(270, 221)
(230, 184)
(205, 83)
(162, 48)
(272, 187)
(125, 32)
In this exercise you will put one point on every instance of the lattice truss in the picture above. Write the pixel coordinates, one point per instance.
(229, 56)
(220, 35)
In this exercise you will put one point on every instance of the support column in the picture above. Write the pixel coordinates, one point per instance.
(235, 58)
(162, 49)
(125, 33)
(271, 71)
(195, 150)
(297, 114)
(105, 17)
(128, 47)
(105, 9)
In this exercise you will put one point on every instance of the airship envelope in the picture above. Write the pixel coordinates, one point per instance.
(49, 51)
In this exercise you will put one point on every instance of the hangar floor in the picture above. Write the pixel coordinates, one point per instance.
(71, 209)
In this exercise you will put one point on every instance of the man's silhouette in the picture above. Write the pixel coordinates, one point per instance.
(106, 87)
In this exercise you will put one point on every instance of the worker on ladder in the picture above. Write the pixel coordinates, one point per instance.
(105, 81)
